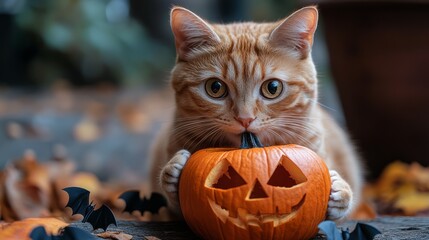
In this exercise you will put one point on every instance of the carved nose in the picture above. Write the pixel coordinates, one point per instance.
(257, 191)
(245, 122)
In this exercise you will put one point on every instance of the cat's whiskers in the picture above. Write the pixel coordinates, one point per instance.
(192, 141)
(323, 105)
(208, 136)
(189, 126)
(190, 123)
(293, 137)
(191, 129)
(183, 132)
(300, 117)
(304, 122)
(291, 129)
(217, 139)
(279, 138)
(192, 132)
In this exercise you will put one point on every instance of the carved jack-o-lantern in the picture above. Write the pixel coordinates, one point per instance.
(278, 192)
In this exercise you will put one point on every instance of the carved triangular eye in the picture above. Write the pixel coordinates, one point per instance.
(229, 179)
(224, 176)
(281, 178)
(286, 174)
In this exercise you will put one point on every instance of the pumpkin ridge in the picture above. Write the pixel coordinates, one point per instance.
(287, 213)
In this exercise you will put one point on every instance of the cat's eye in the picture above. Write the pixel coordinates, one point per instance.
(216, 88)
(271, 88)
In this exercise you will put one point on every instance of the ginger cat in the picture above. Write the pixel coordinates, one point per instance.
(256, 77)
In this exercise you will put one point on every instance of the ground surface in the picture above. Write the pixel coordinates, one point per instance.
(107, 132)
(391, 228)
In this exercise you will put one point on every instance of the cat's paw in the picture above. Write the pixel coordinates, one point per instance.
(340, 199)
(170, 178)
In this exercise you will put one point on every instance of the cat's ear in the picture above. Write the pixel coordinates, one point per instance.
(296, 32)
(190, 32)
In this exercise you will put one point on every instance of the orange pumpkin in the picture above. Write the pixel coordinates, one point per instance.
(277, 192)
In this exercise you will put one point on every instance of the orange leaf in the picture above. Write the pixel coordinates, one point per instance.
(87, 131)
(115, 235)
(20, 230)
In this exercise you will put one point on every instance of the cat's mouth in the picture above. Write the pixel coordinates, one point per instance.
(236, 138)
(243, 218)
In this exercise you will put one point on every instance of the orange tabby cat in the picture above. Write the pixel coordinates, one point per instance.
(256, 77)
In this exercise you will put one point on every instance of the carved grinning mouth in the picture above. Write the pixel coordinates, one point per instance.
(245, 218)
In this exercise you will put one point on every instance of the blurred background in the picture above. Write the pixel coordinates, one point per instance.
(109, 42)
(86, 80)
(96, 68)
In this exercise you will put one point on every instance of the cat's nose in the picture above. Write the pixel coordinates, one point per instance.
(245, 122)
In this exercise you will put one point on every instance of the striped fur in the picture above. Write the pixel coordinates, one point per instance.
(244, 55)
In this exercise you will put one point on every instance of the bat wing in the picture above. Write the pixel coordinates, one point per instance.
(78, 199)
(39, 233)
(155, 202)
(102, 218)
(69, 233)
(364, 231)
(330, 230)
(132, 201)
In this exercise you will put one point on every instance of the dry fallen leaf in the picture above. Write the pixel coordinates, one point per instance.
(28, 187)
(151, 238)
(20, 230)
(115, 235)
(84, 180)
(402, 188)
(412, 204)
(421, 176)
(25, 199)
(87, 131)
(32, 188)
(133, 118)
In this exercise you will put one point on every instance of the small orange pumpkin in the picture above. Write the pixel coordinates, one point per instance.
(277, 192)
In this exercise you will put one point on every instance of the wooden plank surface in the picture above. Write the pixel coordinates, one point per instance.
(391, 228)
(148, 230)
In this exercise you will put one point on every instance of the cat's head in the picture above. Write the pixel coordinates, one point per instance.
(256, 77)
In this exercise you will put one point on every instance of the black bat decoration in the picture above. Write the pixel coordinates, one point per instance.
(79, 203)
(134, 202)
(362, 231)
(68, 233)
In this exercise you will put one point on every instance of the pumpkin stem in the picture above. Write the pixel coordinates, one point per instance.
(249, 140)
